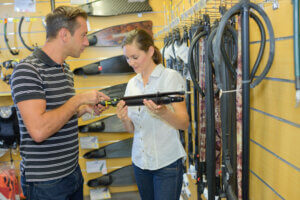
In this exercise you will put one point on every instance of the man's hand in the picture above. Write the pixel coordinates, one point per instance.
(92, 97)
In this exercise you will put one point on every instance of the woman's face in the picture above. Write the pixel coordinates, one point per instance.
(138, 59)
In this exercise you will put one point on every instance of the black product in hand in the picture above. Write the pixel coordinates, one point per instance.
(158, 98)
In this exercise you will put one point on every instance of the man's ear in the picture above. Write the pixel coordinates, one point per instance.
(63, 34)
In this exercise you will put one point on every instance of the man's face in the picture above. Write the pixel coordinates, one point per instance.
(79, 40)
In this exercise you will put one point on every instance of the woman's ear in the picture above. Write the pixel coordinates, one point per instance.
(151, 51)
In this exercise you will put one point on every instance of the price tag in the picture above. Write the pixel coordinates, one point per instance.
(89, 142)
(96, 166)
(99, 193)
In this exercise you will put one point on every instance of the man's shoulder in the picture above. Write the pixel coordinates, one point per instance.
(31, 59)
(31, 62)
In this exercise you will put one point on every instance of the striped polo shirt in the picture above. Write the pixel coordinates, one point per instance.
(39, 77)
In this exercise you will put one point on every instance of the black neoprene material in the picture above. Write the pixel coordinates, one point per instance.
(12, 51)
(120, 149)
(111, 124)
(113, 65)
(243, 8)
(20, 35)
(120, 177)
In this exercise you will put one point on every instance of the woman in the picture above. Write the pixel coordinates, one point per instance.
(157, 151)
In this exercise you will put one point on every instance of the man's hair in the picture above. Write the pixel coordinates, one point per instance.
(63, 17)
(144, 41)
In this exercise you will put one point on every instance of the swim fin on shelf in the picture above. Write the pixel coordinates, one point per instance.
(121, 149)
(115, 7)
(111, 124)
(115, 90)
(120, 177)
(114, 35)
(113, 65)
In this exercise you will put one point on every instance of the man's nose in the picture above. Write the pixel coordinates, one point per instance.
(86, 41)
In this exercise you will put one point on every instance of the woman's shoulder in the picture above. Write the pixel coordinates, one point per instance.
(132, 81)
(172, 73)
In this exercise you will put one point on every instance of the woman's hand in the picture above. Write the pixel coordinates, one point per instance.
(176, 117)
(154, 108)
(122, 111)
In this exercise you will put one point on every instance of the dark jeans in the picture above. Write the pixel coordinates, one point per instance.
(161, 184)
(67, 188)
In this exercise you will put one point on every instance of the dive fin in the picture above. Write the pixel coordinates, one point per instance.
(117, 64)
(121, 149)
(103, 181)
(120, 177)
(97, 126)
(115, 90)
(111, 124)
(114, 35)
(115, 7)
(99, 153)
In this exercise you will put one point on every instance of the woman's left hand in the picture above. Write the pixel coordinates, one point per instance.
(154, 108)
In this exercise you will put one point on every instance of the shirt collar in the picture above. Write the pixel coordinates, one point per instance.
(155, 73)
(40, 54)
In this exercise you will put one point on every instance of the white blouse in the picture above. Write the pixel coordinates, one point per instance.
(156, 144)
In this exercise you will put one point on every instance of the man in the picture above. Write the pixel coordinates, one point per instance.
(48, 109)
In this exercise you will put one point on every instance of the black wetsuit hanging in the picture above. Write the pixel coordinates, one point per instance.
(9, 128)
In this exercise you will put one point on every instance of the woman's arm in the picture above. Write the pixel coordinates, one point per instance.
(178, 118)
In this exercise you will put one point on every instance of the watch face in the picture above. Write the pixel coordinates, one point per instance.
(5, 112)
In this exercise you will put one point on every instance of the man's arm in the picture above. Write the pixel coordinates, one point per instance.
(42, 124)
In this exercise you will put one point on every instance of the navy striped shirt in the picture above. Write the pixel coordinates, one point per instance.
(39, 77)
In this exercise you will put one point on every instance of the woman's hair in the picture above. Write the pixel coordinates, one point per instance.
(63, 17)
(143, 40)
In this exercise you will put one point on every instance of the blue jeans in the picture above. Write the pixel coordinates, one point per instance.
(161, 184)
(66, 188)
